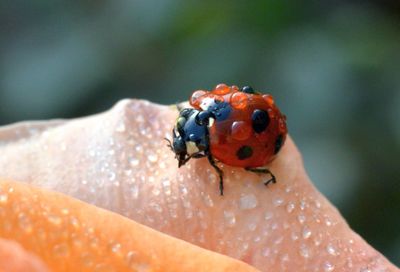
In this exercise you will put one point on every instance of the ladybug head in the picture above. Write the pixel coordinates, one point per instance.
(190, 135)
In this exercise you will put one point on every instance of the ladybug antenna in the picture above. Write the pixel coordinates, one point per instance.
(169, 143)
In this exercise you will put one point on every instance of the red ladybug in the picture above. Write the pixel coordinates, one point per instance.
(238, 127)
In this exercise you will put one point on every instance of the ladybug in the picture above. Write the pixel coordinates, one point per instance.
(237, 127)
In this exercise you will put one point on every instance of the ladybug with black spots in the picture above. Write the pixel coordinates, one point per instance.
(237, 127)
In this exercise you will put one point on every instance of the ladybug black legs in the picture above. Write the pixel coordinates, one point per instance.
(220, 173)
(263, 171)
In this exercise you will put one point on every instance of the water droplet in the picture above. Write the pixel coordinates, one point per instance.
(230, 218)
(268, 215)
(252, 226)
(285, 257)
(328, 266)
(24, 223)
(103, 267)
(133, 162)
(266, 252)
(290, 207)
(306, 233)
(166, 185)
(134, 190)
(301, 218)
(111, 176)
(142, 267)
(156, 207)
(278, 240)
(87, 259)
(304, 251)
(115, 247)
(152, 157)
(120, 127)
(331, 249)
(156, 191)
(3, 198)
(130, 259)
(303, 204)
(74, 222)
(65, 211)
(278, 201)
(207, 200)
(328, 222)
(248, 202)
(61, 250)
(54, 219)
(365, 269)
(349, 262)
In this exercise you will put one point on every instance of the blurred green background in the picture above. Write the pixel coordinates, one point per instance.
(332, 66)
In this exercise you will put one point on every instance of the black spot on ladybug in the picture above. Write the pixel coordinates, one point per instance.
(247, 89)
(244, 152)
(260, 120)
(278, 143)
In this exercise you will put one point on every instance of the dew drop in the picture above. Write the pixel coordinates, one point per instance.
(328, 222)
(65, 211)
(74, 223)
(152, 157)
(278, 202)
(290, 207)
(115, 247)
(207, 200)
(103, 267)
(306, 233)
(3, 198)
(331, 249)
(304, 251)
(54, 219)
(156, 207)
(134, 190)
(252, 226)
(328, 266)
(294, 236)
(166, 184)
(278, 240)
(365, 269)
(268, 215)
(303, 205)
(120, 127)
(24, 223)
(61, 250)
(230, 218)
(87, 259)
(285, 257)
(266, 252)
(248, 202)
(156, 191)
(111, 176)
(130, 259)
(133, 162)
(301, 218)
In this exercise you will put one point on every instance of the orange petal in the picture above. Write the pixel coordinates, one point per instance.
(70, 235)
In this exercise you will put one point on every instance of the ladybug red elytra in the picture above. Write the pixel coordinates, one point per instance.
(238, 127)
